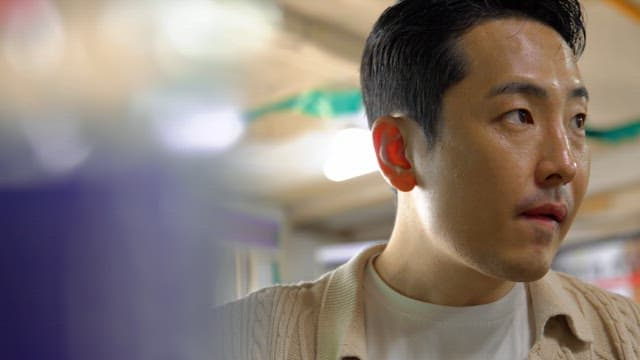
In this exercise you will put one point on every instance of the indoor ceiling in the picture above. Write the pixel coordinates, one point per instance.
(284, 165)
(130, 62)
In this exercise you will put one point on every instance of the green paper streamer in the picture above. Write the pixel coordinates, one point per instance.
(340, 103)
(315, 103)
(617, 134)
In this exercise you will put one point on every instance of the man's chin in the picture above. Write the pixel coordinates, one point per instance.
(526, 274)
(522, 271)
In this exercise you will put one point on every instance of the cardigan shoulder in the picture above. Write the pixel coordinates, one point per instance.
(276, 322)
(614, 319)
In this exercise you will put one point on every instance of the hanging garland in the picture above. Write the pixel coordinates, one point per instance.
(341, 103)
(315, 103)
(616, 134)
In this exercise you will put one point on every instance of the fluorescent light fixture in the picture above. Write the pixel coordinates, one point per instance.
(213, 130)
(351, 154)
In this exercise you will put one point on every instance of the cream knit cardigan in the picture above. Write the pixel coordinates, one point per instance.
(324, 319)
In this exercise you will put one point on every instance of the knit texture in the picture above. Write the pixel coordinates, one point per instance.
(273, 323)
(619, 334)
(324, 319)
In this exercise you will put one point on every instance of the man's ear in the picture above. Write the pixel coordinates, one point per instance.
(389, 145)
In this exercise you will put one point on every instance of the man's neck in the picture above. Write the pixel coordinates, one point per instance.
(411, 266)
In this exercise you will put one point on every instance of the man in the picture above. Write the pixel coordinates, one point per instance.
(477, 111)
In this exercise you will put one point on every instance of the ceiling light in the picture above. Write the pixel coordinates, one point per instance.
(351, 154)
(204, 28)
(212, 130)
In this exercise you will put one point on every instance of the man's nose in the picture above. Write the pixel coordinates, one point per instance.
(557, 165)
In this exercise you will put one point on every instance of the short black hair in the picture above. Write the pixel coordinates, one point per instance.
(411, 56)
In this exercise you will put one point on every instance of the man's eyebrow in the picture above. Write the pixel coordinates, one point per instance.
(518, 88)
(524, 88)
(580, 92)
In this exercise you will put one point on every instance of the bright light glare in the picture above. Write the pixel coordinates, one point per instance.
(188, 27)
(213, 130)
(57, 145)
(197, 28)
(350, 154)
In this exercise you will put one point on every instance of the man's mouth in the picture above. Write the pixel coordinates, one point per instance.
(555, 212)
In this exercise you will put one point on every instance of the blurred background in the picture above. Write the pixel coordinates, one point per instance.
(160, 157)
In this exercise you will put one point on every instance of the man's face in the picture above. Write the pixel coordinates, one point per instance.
(502, 185)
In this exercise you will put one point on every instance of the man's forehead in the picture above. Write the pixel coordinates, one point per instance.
(512, 34)
(514, 49)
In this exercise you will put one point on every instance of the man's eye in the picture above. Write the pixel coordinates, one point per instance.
(520, 116)
(580, 121)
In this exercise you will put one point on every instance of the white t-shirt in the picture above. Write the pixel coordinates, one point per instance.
(398, 327)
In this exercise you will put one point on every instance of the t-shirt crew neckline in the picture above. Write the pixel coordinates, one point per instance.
(463, 315)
